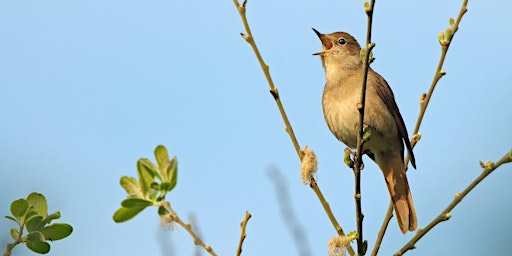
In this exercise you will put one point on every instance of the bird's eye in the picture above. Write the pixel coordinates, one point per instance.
(342, 41)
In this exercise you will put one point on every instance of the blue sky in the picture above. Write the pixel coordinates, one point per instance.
(89, 87)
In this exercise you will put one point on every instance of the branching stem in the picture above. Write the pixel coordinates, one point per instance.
(424, 101)
(243, 224)
(361, 248)
(19, 239)
(488, 168)
(273, 90)
(197, 240)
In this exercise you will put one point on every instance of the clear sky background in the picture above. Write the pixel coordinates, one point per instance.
(89, 87)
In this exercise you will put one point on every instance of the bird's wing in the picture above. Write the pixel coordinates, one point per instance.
(386, 94)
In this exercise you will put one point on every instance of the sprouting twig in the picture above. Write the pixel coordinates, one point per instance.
(488, 168)
(424, 101)
(273, 90)
(173, 216)
(243, 224)
(361, 247)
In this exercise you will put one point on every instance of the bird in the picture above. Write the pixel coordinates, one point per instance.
(343, 66)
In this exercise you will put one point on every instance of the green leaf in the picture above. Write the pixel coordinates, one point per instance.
(37, 202)
(12, 218)
(35, 224)
(449, 34)
(165, 186)
(136, 202)
(36, 242)
(367, 132)
(162, 157)
(49, 218)
(57, 231)
(19, 208)
(14, 233)
(124, 214)
(162, 211)
(146, 174)
(131, 186)
(155, 186)
(31, 214)
(172, 173)
(440, 36)
(154, 169)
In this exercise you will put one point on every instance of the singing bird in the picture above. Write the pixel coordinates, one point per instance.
(343, 67)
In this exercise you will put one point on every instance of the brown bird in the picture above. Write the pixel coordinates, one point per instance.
(342, 92)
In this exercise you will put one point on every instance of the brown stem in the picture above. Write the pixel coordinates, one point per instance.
(488, 168)
(197, 240)
(243, 224)
(273, 90)
(424, 101)
(361, 248)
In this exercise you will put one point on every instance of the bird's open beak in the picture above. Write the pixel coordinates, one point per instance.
(326, 43)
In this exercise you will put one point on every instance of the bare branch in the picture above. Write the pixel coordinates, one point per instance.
(173, 216)
(273, 90)
(243, 224)
(361, 245)
(444, 41)
(488, 168)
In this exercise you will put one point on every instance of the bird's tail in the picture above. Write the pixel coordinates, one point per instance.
(396, 180)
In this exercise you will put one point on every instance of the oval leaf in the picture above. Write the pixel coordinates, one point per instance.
(173, 173)
(14, 234)
(171, 169)
(146, 174)
(11, 218)
(35, 236)
(35, 224)
(124, 214)
(162, 157)
(131, 186)
(136, 202)
(19, 208)
(165, 186)
(51, 217)
(57, 231)
(37, 202)
(36, 242)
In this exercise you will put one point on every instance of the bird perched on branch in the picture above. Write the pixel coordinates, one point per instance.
(343, 67)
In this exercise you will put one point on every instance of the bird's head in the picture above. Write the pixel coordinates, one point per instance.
(340, 50)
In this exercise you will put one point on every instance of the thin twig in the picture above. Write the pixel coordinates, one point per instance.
(243, 224)
(19, 239)
(424, 101)
(197, 240)
(313, 185)
(273, 90)
(488, 168)
(275, 94)
(361, 247)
